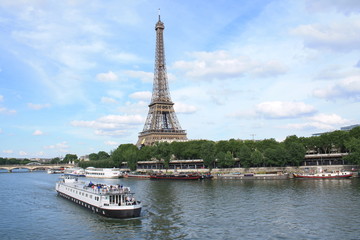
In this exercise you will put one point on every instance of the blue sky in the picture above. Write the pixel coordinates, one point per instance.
(76, 76)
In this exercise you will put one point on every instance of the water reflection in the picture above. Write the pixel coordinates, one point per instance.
(228, 209)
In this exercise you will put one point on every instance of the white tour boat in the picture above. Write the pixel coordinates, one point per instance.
(76, 172)
(103, 172)
(114, 201)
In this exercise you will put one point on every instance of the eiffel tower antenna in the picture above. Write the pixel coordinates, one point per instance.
(161, 123)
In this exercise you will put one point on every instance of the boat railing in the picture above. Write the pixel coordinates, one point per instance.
(106, 190)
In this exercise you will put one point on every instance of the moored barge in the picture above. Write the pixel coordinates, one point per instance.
(114, 201)
(176, 176)
(254, 176)
(324, 175)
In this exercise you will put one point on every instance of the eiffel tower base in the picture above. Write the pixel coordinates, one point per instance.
(151, 137)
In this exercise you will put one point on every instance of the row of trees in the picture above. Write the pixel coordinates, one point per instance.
(265, 153)
(12, 161)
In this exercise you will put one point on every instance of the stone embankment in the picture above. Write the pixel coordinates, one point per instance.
(266, 170)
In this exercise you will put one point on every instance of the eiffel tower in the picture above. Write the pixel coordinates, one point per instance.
(161, 123)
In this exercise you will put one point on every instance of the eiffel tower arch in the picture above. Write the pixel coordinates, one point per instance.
(161, 123)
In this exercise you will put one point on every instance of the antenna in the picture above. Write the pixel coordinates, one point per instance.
(159, 13)
(253, 135)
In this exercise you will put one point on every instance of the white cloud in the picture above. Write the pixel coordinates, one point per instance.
(144, 95)
(111, 143)
(7, 111)
(320, 122)
(279, 109)
(337, 36)
(8, 151)
(41, 153)
(108, 100)
(143, 76)
(60, 147)
(139, 107)
(111, 125)
(310, 126)
(1, 98)
(107, 77)
(346, 88)
(347, 6)
(123, 57)
(184, 108)
(222, 65)
(330, 119)
(103, 132)
(37, 133)
(38, 106)
(115, 93)
(22, 153)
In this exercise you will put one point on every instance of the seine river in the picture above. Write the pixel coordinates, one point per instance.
(211, 209)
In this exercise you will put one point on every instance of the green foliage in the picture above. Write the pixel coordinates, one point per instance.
(256, 158)
(207, 153)
(295, 153)
(163, 152)
(250, 153)
(103, 155)
(225, 159)
(145, 153)
(126, 153)
(108, 163)
(353, 145)
(244, 155)
(55, 160)
(70, 157)
(93, 157)
(355, 133)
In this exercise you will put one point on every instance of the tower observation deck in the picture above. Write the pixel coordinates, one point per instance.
(161, 123)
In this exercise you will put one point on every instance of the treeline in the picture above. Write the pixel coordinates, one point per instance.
(13, 161)
(264, 153)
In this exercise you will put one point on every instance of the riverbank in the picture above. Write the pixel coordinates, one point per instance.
(261, 170)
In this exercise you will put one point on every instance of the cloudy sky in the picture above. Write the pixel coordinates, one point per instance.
(76, 76)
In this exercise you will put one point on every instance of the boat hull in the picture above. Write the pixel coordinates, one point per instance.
(175, 177)
(322, 177)
(111, 213)
(137, 176)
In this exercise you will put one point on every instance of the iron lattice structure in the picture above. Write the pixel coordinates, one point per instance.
(161, 122)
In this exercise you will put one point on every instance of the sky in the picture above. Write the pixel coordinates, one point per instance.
(76, 76)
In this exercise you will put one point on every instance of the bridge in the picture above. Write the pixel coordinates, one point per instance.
(30, 168)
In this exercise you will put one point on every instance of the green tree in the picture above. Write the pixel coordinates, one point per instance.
(353, 145)
(93, 157)
(225, 159)
(70, 158)
(244, 155)
(257, 158)
(125, 153)
(55, 160)
(103, 155)
(295, 152)
(163, 152)
(276, 156)
(208, 154)
(355, 132)
(266, 143)
(145, 153)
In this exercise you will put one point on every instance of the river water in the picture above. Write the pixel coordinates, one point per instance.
(210, 209)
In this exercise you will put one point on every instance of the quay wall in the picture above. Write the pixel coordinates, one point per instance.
(259, 170)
